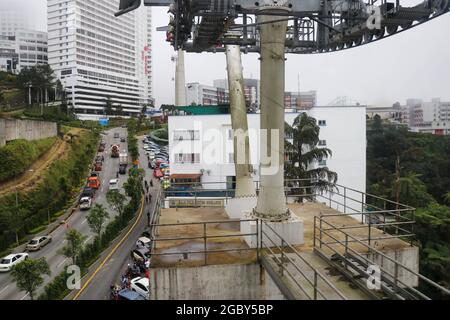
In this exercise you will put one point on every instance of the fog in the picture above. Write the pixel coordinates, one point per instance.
(415, 63)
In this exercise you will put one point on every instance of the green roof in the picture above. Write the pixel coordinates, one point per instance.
(204, 110)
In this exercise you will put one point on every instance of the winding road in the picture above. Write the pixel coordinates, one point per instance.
(57, 262)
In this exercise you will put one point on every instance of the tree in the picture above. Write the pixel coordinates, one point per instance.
(15, 220)
(108, 107)
(303, 154)
(116, 200)
(75, 241)
(411, 191)
(96, 218)
(28, 275)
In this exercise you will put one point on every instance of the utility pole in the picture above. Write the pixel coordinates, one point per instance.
(272, 200)
(180, 82)
(239, 123)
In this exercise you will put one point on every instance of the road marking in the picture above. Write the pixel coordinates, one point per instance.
(61, 263)
(83, 222)
(89, 238)
(3, 290)
(138, 218)
(25, 296)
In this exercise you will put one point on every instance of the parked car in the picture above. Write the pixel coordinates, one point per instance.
(116, 135)
(114, 184)
(11, 260)
(123, 139)
(140, 285)
(140, 255)
(126, 294)
(38, 243)
(144, 242)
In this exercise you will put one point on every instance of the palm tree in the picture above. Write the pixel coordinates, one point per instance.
(303, 154)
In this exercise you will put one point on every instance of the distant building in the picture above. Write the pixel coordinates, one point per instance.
(300, 100)
(393, 113)
(9, 56)
(199, 94)
(251, 90)
(427, 117)
(23, 49)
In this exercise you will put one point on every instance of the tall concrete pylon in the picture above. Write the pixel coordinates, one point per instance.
(271, 203)
(180, 80)
(239, 123)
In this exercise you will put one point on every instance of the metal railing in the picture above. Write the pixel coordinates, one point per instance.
(325, 231)
(387, 215)
(204, 237)
(281, 254)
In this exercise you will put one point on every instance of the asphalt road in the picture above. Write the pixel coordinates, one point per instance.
(99, 287)
(57, 262)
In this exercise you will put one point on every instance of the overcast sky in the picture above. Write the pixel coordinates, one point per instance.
(413, 64)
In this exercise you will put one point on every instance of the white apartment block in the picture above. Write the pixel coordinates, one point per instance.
(99, 57)
(24, 49)
(427, 117)
(252, 90)
(203, 95)
(192, 139)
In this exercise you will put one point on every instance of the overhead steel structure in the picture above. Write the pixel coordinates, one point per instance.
(315, 26)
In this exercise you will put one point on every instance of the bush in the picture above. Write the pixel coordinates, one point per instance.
(19, 155)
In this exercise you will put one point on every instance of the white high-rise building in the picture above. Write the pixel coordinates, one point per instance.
(99, 57)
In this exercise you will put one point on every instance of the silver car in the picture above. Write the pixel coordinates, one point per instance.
(38, 243)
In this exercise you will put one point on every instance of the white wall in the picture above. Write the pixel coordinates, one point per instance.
(345, 134)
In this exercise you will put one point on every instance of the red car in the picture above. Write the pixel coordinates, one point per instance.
(158, 174)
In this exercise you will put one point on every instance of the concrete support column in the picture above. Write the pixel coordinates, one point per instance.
(180, 82)
(239, 123)
(271, 203)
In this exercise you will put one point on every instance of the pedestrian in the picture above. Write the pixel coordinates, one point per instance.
(117, 174)
(151, 182)
(150, 198)
(146, 184)
(148, 218)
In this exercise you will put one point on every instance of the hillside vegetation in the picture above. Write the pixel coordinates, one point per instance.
(414, 169)
(18, 155)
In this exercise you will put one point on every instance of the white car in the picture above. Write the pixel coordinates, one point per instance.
(140, 285)
(144, 242)
(114, 184)
(11, 260)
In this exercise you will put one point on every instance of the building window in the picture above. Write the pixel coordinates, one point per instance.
(180, 135)
(322, 143)
(322, 123)
(187, 158)
(231, 157)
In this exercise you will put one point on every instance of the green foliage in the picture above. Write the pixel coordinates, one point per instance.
(61, 181)
(74, 245)
(28, 275)
(133, 148)
(304, 154)
(18, 155)
(51, 113)
(414, 169)
(96, 218)
(116, 200)
(57, 289)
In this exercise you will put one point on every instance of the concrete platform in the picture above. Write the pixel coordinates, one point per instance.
(193, 215)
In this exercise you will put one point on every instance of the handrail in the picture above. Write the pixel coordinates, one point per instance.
(297, 254)
(372, 250)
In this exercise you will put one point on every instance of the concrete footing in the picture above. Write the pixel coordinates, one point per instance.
(236, 207)
(290, 231)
